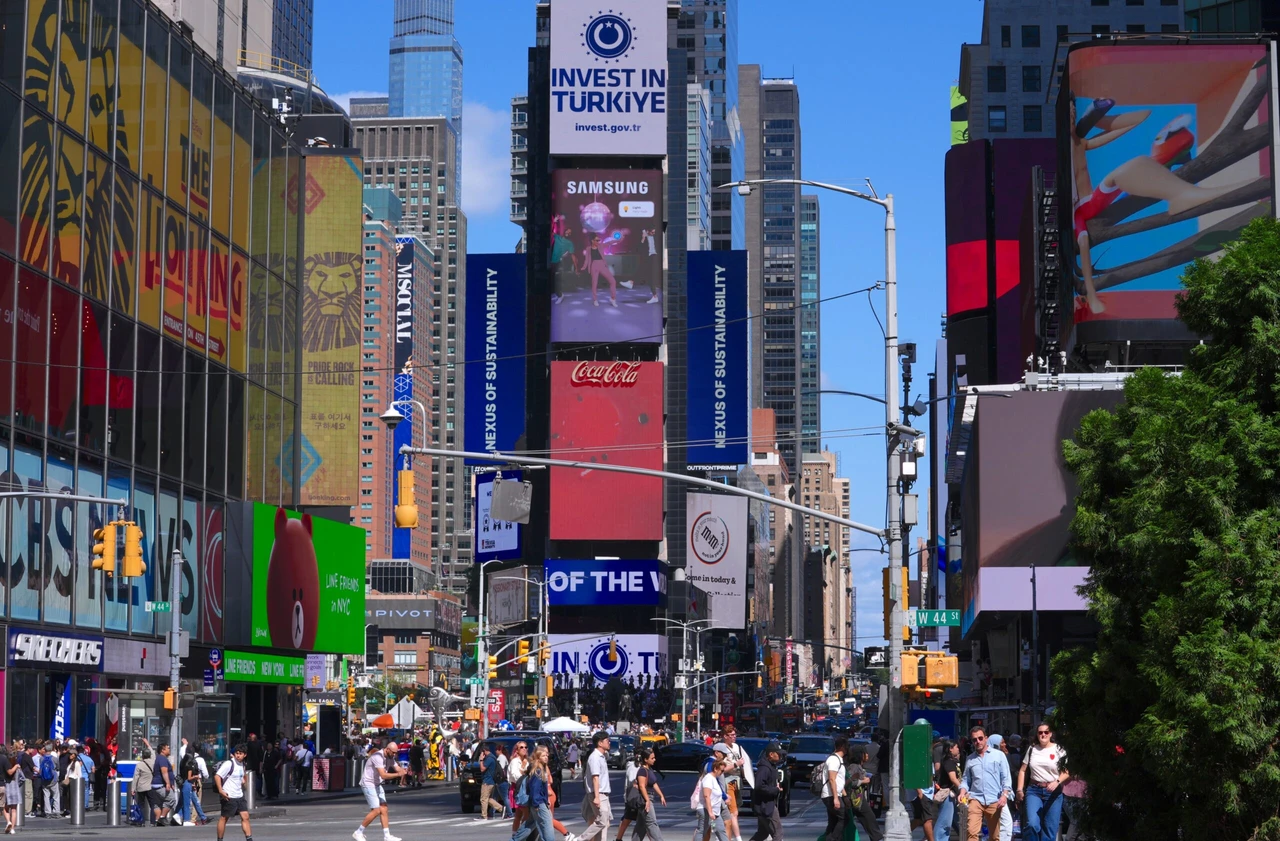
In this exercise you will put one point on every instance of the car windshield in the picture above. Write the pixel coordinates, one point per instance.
(812, 744)
(753, 747)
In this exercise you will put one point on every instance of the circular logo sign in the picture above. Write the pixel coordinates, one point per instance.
(607, 36)
(709, 537)
(604, 668)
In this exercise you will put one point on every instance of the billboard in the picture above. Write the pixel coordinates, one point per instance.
(609, 78)
(1169, 149)
(332, 302)
(638, 655)
(495, 540)
(716, 542)
(510, 596)
(959, 117)
(308, 582)
(604, 582)
(402, 384)
(610, 413)
(606, 255)
(495, 348)
(717, 359)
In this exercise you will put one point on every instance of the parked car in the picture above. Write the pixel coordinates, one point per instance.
(682, 756)
(620, 748)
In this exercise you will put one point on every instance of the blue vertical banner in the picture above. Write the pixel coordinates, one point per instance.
(58, 728)
(402, 384)
(495, 389)
(717, 421)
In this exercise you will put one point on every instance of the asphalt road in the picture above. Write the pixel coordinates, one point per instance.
(434, 813)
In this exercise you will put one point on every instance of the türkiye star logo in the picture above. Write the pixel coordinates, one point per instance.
(608, 35)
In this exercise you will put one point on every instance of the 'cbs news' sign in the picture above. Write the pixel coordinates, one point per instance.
(611, 582)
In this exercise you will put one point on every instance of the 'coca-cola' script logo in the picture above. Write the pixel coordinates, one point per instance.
(605, 374)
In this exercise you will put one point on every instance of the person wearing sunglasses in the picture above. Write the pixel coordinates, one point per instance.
(985, 787)
(1045, 764)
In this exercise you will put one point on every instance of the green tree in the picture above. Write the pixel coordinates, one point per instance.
(1174, 719)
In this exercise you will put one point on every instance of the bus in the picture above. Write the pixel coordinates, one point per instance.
(750, 718)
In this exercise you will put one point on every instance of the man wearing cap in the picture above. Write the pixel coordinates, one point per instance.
(375, 771)
(595, 804)
(765, 794)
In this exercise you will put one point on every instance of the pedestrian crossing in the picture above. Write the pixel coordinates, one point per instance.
(668, 823)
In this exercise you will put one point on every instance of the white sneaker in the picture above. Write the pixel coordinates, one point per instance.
(358, 834)
(613, 302)
(652, 300)
(626, 284)
(389, 837)
(189, 823)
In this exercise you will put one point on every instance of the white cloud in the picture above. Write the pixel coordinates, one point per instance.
(486, 160)
(344, 99)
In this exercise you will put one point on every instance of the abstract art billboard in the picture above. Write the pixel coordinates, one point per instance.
(606, 255)
(1169, 155)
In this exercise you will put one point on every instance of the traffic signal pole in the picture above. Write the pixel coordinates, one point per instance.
(175, 655)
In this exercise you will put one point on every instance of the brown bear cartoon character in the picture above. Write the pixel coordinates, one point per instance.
(293, 584)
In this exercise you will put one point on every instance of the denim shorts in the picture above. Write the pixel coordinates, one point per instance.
(374, 796)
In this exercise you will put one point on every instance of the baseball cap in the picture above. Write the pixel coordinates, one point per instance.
(995, 740)
(774, 747)
(721, 747)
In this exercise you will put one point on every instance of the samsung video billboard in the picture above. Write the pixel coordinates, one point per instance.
(609, 78)
(604, 582)
(402, 384)
(717, 359)
(637, 655)
(1169, 149)
(607, 413)
(495, 319)
(606, 255)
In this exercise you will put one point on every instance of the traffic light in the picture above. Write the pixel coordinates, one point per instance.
(170, 699)
(759, 681)
(493, 667)
(522, 652)
(613, 650)
(888, 604)
(104, 550)
(406, 508)
(551, 686)
(911, 670)
(351, 692)
(942, 671)
(544, 651)
(133, 564)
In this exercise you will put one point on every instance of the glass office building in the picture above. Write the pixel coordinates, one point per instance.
(426, 66)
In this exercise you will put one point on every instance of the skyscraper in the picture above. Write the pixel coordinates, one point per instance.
(809, 317)
(426, 65)
(264, 34)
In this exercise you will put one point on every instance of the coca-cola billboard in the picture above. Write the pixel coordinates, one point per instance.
(606, 413)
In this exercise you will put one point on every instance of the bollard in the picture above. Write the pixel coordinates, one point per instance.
(448, 769)
(113, 801)
(75, 791)
(20, 815)
(250, 790)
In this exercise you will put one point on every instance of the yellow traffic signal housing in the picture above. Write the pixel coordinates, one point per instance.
(104, 550)
(551, 686)
(942, 671)
(888, 603)
(910, 669)
(170, 699)
(133, 563)
(544, 651)
(522, 652)
(406, 507)
(613, 650)
(493, 667)
(351, 693)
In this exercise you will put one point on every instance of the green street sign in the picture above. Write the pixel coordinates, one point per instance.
(158, 607)
(475, 681)
(937, 618)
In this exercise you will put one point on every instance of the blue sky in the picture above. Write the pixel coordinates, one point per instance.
(874, 83)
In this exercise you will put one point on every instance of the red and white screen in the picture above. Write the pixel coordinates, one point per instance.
(606, 413)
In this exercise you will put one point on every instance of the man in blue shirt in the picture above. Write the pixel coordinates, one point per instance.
(987, 784)
(488, 763)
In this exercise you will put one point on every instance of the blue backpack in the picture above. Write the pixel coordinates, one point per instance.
(47, 769)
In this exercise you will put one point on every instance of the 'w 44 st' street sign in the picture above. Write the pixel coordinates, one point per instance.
(936, 618)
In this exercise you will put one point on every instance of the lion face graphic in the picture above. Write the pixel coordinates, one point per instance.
(331, 301)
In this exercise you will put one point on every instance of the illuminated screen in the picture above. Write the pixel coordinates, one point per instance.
(608, 413)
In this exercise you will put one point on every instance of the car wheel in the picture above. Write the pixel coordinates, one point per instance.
(784, 806)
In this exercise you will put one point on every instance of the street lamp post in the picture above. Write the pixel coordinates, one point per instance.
(684, 655)
(897, 824)
(544, 621)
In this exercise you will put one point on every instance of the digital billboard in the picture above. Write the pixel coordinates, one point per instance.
(606, 255)
(718, 358)
(609, 78)
(495, 348)
(604, 582)
(1169, 149)
(716, 543)
(495, 540)
(637, 655)
(332, 301)
(308, 582)
(607, 413)
(402, 385)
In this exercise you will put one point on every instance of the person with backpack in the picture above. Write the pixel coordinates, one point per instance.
(189, 774)
(646, 786)
(858, 794)
(833, 778)
(47, 794)
(229, 781)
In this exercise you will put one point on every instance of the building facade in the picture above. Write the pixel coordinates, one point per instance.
(249, 31)
(822, 489)
(810, 323)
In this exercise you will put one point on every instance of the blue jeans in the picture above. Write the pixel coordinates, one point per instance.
(1044, 814)
(540, 818)
(189, 800)
(942, 825)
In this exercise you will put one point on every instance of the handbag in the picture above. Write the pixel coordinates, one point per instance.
(941, 794)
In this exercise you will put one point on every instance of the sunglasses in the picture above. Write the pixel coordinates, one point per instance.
(1042, 732)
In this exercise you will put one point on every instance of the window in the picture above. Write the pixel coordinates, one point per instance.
(410, 638)
(1030, 78)
(1169, 27)
(1006, 36)
(1062, 32)
(1135, 27)
(1134, 2)
(406, 658)
(1168, 2)
(1030, 35)
(997, 118)
(995, 79)
(1100, 29)
(1099, 2)
(1031, 118)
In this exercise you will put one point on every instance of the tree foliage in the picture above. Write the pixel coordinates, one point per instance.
(1173, 719)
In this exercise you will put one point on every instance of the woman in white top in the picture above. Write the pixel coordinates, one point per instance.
(1045, 765)
(516, 769)
(712, 795)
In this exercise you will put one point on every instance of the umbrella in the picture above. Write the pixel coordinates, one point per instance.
(384, 721)
(565, 725)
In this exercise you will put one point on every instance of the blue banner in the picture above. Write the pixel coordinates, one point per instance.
(58, 727)
(717, 420)
(402, 385)
(495, 321)
(612, 582)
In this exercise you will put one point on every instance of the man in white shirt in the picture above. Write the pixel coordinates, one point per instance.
(229, 781)
(833, 790)
(375, 771)
(737, 772)
(302, 763)
(595, 805)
